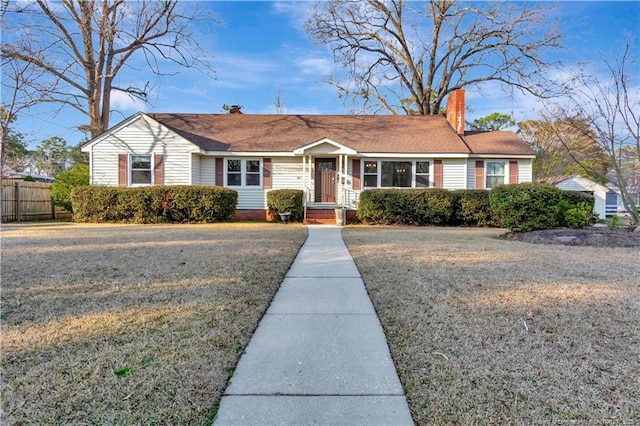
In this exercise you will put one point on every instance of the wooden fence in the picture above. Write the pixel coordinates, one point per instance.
(28, 201)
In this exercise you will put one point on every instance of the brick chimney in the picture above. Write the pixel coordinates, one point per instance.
(455, 110)
(235, 109)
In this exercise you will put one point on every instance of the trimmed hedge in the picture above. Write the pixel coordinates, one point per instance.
(407, 206)
(472, 207)
(519, 208)
(526, 206)
(153, 204)
(286, 200)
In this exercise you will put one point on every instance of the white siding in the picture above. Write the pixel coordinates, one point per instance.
(454, 174)
(207, 170)
(142, 137)
(195, 169)
(286, 173)
(525, 171)
(250, 198)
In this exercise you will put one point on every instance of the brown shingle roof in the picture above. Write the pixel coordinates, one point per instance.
(497, 142)
(284, 133)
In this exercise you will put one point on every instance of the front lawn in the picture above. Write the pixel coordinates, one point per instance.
(130, 324)
(488, 331)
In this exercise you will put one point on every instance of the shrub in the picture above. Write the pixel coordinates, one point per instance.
(575, 209)
(526, 206)
(406, 206)
(579, 216)
(77, 175)
(472, 207)
(153, 204)
(29, 178)
(577, 197)
(286, 200)
(432, 206)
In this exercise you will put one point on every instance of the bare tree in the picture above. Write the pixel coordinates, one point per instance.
(21, 89)
(401, 58)
(611, 108)
(81, 47)
(564, 147)
(278, 103)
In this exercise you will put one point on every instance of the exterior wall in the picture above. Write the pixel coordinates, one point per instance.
(525, 170)
(207, 170)
(195, 169)
(454, 174)
(584, 184)
(286, 173)
(142, 137)
(250, 198)
(252, 214)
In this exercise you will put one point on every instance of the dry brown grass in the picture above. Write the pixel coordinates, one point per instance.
(504, 332)
(175, 304)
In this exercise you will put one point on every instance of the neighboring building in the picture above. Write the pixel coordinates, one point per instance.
(606, 200)
(13, 175)
(332, 158)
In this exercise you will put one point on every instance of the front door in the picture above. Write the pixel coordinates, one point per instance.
(325, 180)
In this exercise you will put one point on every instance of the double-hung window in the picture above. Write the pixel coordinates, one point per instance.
(422, 174)
(140, 169)
(243, 172)
(370, 174)
(495, 174)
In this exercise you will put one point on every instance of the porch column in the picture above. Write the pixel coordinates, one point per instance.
(310, 185)
(345, 164)
(340, 175)
(304, 178)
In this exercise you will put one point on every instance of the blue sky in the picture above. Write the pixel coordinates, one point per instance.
(260, 49)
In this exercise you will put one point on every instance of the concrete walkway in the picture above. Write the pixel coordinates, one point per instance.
(319, 355)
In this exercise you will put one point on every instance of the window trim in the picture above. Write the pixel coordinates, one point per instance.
(414, 168)
(430, 183)
(243, 173)
(130, 169)
(505, 172)
(365, 174)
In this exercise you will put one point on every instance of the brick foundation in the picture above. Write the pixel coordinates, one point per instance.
(252, 214)
(314, 216)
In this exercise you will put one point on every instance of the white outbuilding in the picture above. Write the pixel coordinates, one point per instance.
(605, 198)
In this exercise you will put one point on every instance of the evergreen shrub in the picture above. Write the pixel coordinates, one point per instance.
(286, 200)
(151, 204)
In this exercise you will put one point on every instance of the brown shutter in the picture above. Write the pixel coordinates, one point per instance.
(157, 169)
(513, 172)
(123, 170)
(355, 173)
(219, 171)
(266, 173)
(437, 173)
(479, 174)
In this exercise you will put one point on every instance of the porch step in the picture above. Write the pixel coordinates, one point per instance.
(320, 217)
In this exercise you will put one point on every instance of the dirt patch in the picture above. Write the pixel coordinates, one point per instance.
(593, 237)
(131, 324)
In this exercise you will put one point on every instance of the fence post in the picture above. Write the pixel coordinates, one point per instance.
(18, 200)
